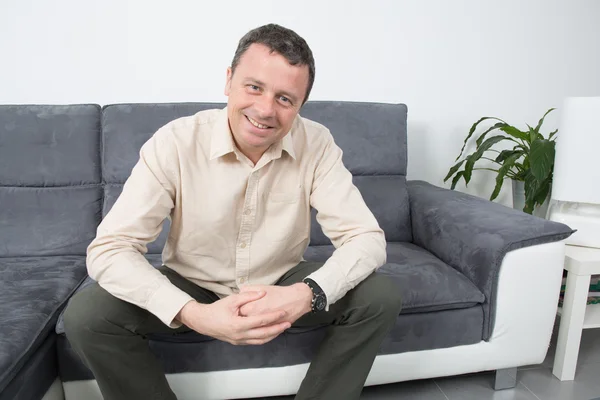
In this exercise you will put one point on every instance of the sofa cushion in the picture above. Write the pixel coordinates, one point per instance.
(32, 292)
(372, 135)
(49, 145)
(369, 149)
(184, 353)
(387, 198)
(425, 282)
(48, 221)
(126, 127)
(50, 183)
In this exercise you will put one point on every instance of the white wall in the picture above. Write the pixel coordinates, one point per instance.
(451, 62)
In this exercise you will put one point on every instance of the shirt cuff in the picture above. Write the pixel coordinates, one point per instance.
(166, 302)
(331, 280)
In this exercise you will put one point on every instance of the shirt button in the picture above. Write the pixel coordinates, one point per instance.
(242, 279)
(243, 245)
(248, 211)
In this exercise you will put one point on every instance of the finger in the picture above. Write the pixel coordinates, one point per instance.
(260, 320)
(260, 341)
(246, 310)
(240, 299)
(266, 332)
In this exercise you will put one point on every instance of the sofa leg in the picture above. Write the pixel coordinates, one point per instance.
(505, 378)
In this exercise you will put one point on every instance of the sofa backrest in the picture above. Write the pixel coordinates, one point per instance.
(373, 139)
(50, 179)
(63, 167)
(372, 136)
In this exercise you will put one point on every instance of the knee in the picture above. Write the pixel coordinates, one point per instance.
(77, 315)
(381, 294)
(86, 313)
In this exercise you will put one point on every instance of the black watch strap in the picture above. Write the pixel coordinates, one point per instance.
(319, 299)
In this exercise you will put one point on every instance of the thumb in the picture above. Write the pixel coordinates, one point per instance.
(246, 297)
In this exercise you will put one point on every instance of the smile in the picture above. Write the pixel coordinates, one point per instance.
(256, 124)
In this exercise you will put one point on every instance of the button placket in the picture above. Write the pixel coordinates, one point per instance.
(242, 263)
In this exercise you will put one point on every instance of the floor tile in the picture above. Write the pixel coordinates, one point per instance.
(547, 387)
(417, 390)
(481, 387)
(589, 349)
(412, 390)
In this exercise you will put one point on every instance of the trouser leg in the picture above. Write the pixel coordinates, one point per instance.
(109, 335)
(358, 323)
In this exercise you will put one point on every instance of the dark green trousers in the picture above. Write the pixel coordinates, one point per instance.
(110, 337)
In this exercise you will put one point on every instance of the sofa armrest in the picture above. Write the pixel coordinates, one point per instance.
(473, 235)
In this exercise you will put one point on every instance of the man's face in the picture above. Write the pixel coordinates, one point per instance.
(265, 95)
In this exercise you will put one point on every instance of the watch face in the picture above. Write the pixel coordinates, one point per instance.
(320, 303)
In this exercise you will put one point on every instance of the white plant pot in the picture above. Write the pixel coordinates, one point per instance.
(519, 200)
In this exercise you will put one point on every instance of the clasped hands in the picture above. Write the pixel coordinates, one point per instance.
(256, 315)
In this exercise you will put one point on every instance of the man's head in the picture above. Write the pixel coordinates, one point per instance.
(269, 80)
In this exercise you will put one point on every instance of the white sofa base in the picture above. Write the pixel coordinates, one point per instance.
(528, 290)
(55, 391)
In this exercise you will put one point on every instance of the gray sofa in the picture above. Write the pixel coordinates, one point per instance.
(451, 254)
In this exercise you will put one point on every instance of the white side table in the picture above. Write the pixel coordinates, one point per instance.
(581, 262)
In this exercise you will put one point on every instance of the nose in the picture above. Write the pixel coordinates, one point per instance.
(265, 107)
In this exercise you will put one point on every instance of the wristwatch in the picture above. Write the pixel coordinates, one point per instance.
(319, 300)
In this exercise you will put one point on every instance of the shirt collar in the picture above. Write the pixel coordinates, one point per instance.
(287, 144)
(222, 140)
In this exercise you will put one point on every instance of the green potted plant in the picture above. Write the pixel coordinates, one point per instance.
(531, 160)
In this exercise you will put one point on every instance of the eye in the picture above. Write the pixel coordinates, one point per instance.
(254, 87)
(285, 99)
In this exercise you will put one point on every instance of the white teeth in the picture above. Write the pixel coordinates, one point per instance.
(256, 124)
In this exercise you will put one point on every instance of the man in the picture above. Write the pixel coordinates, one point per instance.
(238, 184)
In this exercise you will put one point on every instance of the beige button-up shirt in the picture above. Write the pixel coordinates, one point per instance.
(232, 222)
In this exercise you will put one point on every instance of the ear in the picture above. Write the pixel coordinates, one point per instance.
(228, 81)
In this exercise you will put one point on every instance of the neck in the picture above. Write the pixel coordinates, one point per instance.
(253, 154)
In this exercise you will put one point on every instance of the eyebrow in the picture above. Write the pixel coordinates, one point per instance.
(260, 83)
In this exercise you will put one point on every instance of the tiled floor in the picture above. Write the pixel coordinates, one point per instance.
(535, 382)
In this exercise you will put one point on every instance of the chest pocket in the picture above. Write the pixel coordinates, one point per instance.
(286, 216)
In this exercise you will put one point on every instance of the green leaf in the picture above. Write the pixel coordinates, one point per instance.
(532, 134)
(552, 134)
(514, 132)
(543, 191)
(541, 158)
(504, 154)
(471, 133)
(531, 188)
(456, 179)
(479, 153)
(539, 125)
(536, 191)
(508, 164)
(453, 170)
(495, 126)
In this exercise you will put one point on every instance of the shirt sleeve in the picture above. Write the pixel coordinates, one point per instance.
(115, 258)
(349, 224)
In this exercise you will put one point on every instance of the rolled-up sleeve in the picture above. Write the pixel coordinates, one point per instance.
(349, 224)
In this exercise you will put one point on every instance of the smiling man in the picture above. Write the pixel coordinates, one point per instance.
(238, 185)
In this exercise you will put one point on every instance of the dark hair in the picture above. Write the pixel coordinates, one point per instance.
(282, 41)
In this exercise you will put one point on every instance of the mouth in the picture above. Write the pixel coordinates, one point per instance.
(257, 124)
